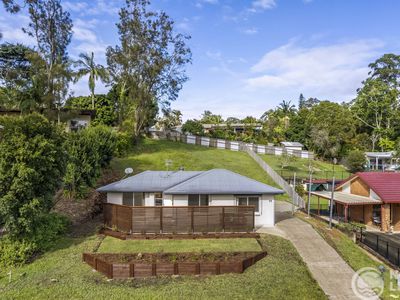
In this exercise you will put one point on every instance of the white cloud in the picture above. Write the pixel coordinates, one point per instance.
(75, 6)
(11, 29)
(84, 34)
(332, 70)
(261, 5)
(200, 3)
(98, 7)
(250, 31)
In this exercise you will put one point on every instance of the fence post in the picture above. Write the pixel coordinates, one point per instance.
(223, 219)
(254, 218)
(361, 235)
(192, 218)
(161, 218)
(131, 220)
(377, 244)
(387, 250)
(398, 256)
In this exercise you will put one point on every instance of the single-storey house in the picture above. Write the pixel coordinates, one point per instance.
(292, 146)
(372, 198)
(384, 161)
(216, 187)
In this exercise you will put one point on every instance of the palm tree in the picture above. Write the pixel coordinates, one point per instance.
(286, 107)
(86, 66)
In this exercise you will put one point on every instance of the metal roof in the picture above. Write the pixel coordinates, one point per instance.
(149, 181)
(347, 198)
(221, 181)
(215, 181)
(292, 144)
(385, 184)
(379, 154)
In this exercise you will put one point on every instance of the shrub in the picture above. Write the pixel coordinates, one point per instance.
(355, 161)
(89, 150)
(123, 144)
(193, 127)
(14, 252)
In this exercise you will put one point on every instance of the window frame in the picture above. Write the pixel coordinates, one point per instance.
(207, 199)
(158, 196)
(257, 208)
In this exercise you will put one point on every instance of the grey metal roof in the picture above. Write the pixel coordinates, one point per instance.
(221, 181)
(149, 181)
(292, 144)
(347, 198)
(215, 181)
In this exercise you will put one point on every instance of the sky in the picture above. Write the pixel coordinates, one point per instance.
(248, 56)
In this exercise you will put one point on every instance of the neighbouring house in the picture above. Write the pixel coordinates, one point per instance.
(292, 146)
(74, 119)
(216, 187)
(320, 184)
(372, 198)
(381, 161)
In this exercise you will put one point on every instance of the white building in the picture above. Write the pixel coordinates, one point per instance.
(216, 187)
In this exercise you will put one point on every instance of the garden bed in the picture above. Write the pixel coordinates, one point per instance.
(131, 265)
(177, 236)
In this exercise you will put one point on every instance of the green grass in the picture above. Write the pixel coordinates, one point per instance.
(321, 170)
(110, 245)
(61, 274)
(356, 257)
(152, 154)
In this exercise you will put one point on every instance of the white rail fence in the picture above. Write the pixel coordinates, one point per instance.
(230, 145)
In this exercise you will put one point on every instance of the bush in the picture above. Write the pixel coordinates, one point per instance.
(355, 161)
(193, 127)
(123, 144)
(89, 150)
(14, 252)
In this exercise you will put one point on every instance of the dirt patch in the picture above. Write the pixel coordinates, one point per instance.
(82, 210)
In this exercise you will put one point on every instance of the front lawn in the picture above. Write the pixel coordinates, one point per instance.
(111, 245)
(61, 274)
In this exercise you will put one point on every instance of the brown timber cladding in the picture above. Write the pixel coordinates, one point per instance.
(179, 219)
(126, 270)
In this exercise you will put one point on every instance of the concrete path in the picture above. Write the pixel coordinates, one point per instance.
(331, 272)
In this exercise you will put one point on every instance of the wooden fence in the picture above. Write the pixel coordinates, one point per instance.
(230, 145)
(179, 219)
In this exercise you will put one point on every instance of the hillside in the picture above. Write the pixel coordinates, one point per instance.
(152, 155)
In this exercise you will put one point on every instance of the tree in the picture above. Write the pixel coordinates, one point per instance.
(171, 119)
(209, 118)
(193, 127)
(355, 161)
(148, 66)
(51, 27)
(32, 164)
(302, 101)
(387, 69)
(377, 109)
(87, 65)
(286, 108)
(232, 120)
(105, 108)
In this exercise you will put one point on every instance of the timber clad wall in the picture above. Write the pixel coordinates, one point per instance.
(179, 219)
(230, 145)
(357, 187)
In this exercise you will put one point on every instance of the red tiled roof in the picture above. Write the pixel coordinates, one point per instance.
(385, 184)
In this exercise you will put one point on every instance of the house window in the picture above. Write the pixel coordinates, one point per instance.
(249, 200)
(158, 200)
(127, 199)
(198, 200)
(138, 199)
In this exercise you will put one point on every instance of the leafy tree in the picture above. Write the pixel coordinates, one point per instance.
(86, 65)
(209, 118)
(249, 120)
(355, 161)
(387, 69)
(232, 120)
(148, 66)
(89, 150)
(377, 109)
(32, 164)
(104, 106)
(302, 101)
(171, 119)
(331, 127)
(51, 27)
(286, 108)
(193, 127)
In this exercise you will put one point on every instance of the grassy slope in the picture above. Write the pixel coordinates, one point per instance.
(282, 274)
(356, 257)
(152, 154)
(300, 166)
(110, 244)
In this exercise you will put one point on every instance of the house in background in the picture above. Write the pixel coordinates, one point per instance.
(236, 127)
(74, 119)
(371, 198)
(216, 187)
(291, 146)
(381, 161)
